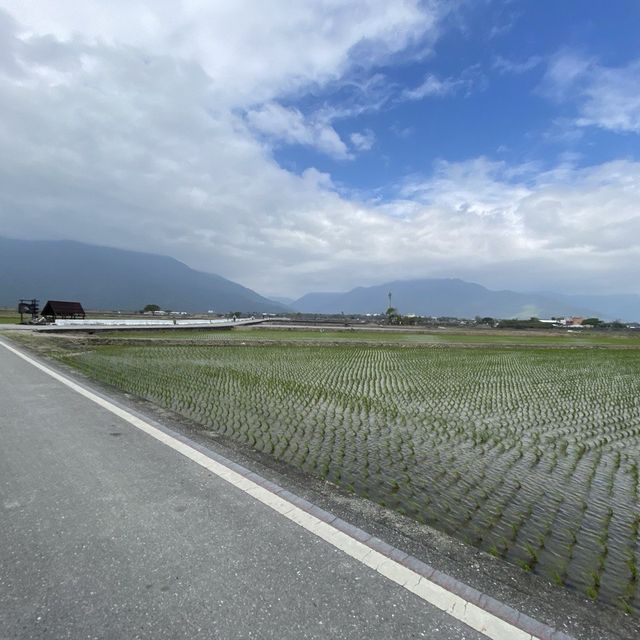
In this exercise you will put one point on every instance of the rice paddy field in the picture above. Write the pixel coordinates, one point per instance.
(386, 336)
(8, 316)
(531, 454)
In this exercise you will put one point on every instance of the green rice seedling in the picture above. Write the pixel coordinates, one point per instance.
(508, 444)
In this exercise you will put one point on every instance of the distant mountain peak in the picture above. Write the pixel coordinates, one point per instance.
(453, 297)
(107, 278)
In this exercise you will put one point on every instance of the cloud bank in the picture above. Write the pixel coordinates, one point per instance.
(151, 126)
(607, 97)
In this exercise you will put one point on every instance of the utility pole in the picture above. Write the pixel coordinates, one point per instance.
(389, 299)
(28, 306)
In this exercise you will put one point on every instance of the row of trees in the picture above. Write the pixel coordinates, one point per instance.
(393, 317)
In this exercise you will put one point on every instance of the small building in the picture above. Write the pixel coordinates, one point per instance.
(62, 310)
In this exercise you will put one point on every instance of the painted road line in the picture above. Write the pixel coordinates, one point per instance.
(475, 609)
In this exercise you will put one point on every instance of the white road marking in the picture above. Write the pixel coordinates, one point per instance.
(472, 615)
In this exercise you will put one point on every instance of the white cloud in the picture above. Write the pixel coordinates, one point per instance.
(434, 87)
(253, 51)
(568, 225)
(500, 29)
(124, 125)
(612, 99)
(289, 125)
(108, 135)
(364, 140)
(565, 71)
(504, 65)
(606, 97)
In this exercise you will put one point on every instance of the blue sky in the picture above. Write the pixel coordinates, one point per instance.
(307, 146)
(493, 59)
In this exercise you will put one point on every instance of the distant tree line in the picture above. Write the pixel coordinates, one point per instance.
(151, 308)
(535, 323)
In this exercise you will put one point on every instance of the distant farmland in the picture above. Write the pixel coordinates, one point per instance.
(531, 454)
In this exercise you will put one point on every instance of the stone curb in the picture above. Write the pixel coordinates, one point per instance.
(470, 594)
(483, 601)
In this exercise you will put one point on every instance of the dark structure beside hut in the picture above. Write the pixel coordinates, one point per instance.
(61, 310)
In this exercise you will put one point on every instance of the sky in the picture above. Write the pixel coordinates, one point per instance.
(298, 146)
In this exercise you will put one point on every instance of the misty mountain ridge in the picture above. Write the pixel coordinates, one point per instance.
(107, 278)
(451, 297)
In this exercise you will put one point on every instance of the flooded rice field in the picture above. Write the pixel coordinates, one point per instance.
(530, 454)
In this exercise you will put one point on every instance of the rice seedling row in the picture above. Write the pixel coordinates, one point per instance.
(530, 454)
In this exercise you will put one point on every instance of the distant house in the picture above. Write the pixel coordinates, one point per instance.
(60, 309)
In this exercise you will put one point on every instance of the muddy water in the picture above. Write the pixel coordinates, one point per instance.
(532, 456)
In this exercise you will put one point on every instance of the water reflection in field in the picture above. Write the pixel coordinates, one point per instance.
(530, 454)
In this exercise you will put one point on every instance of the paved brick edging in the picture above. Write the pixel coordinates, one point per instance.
(503, 611)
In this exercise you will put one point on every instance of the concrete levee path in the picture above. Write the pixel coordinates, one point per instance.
(113, 528)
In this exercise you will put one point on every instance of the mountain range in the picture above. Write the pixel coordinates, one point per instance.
(457, 298)
(108, 278)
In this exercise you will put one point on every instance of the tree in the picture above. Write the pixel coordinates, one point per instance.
(393, 317)
(151, 308)
(593, 322)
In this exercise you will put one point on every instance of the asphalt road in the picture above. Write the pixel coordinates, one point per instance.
(107, 533)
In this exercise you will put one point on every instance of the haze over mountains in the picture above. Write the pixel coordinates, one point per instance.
(108, 278)
(457, 298)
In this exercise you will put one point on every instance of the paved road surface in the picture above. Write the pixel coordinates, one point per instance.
(107, 533)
